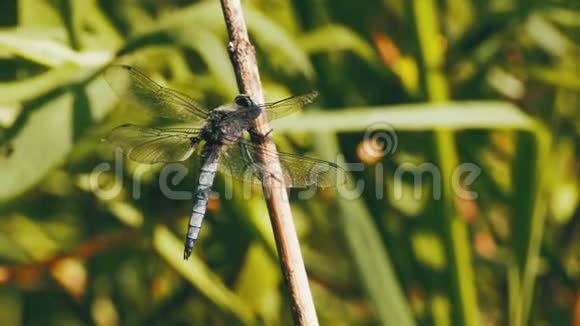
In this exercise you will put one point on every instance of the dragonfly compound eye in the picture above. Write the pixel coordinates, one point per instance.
(244, 101)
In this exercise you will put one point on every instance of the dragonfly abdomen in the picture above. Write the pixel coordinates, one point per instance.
(209, 162)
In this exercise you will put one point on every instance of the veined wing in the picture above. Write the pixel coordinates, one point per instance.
(241, 161)
(155, 145)
(274, 110)
(289, 105)
(127, 81)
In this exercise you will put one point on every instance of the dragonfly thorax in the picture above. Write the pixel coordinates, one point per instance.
(222, 127)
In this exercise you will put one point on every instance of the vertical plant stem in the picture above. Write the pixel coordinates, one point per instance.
(529, 212)
(243, 58)
(370, 256)
(69, 15)
(462, 288)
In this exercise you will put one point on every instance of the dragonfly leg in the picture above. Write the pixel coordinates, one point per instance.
(257, 134)
(249, 158)
(271, 175)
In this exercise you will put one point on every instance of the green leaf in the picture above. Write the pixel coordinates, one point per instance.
(56, 33)
(200, 276)
(333, 37)
(529, 212)
(204, 14)
(562, 76)
(38, 148)
(548, 37)
(49, 53)
(70, 17)
(370, 256)
(33, 87)
(45, 139)
(284, 52)
(29, 13)
(215, 54)
(425, 116)
(260, 293)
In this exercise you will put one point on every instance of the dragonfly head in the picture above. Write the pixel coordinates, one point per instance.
(244, 101)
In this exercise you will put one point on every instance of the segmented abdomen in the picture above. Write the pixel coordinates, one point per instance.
(209, 162)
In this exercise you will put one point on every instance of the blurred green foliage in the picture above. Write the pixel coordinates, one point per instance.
(493, 84)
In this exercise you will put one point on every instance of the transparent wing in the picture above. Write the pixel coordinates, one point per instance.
(288, 105)
(241, 162)
(274, 110)
(129, 82)
(155, 145)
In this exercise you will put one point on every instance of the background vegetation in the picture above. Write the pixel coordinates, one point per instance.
(492, 83)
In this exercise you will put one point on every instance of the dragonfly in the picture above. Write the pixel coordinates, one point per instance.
(219, 132)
